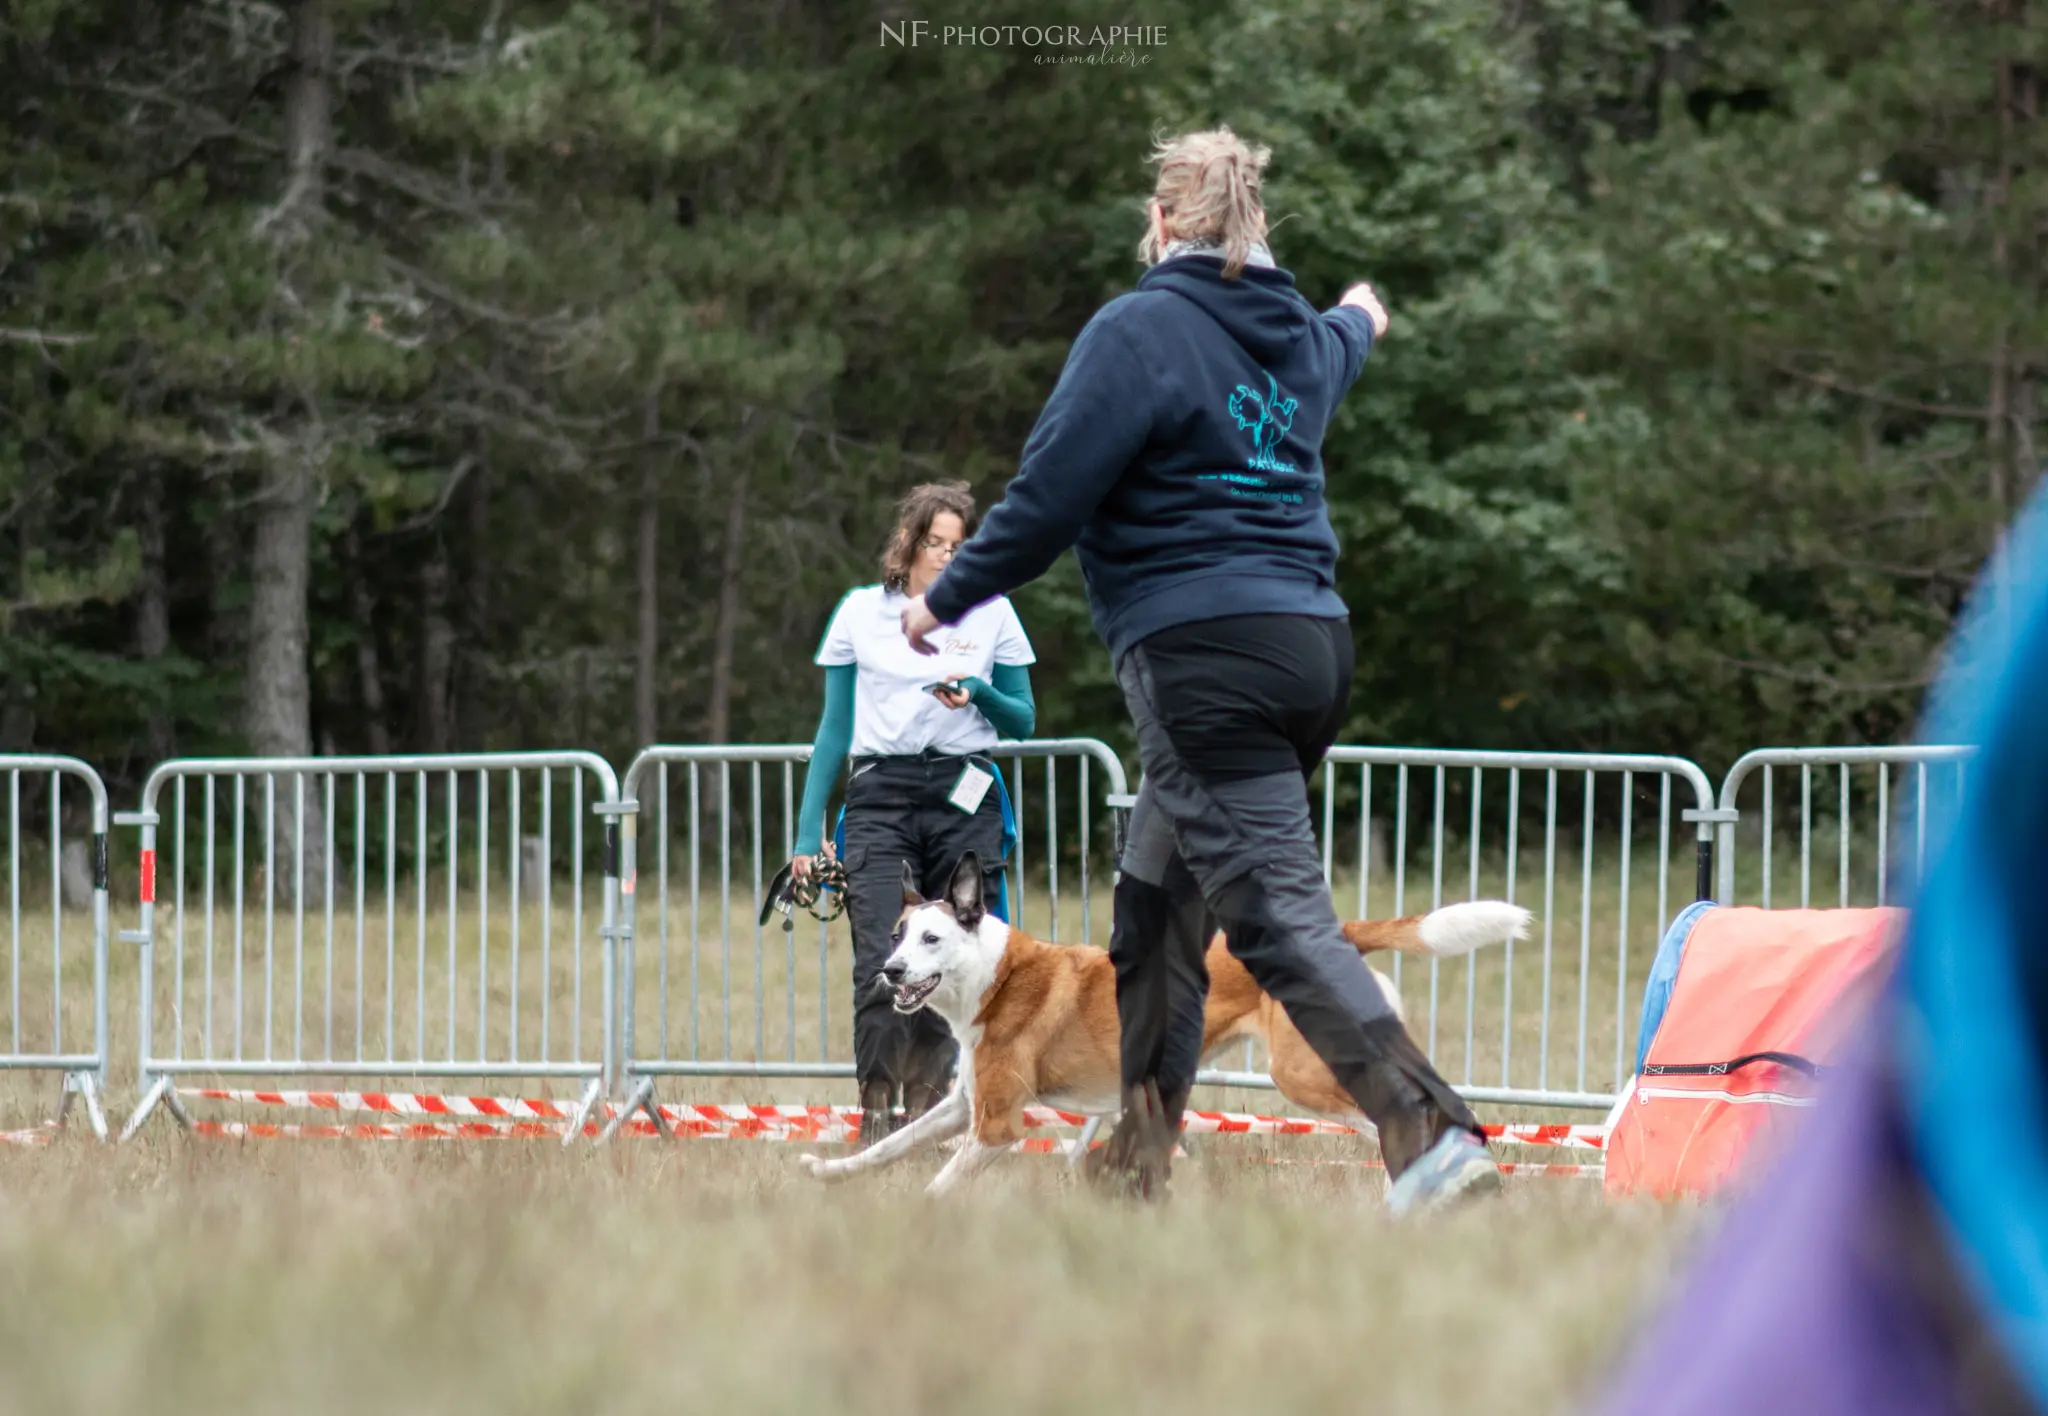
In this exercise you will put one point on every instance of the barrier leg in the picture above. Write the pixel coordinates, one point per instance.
(86, 1085)
(640, 1099)
(163, 1092)
(583, 1110)
(94, 1112)
(1080, 1149)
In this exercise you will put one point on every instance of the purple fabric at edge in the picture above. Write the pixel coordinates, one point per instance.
(1791, 1307)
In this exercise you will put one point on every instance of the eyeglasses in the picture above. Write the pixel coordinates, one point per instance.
(938, 547)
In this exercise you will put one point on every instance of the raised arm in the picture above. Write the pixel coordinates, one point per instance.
(1358, 321)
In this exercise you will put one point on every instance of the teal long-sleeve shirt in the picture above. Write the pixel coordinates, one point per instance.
(1004, 698)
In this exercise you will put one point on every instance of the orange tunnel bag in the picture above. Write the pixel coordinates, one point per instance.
(1750, 981)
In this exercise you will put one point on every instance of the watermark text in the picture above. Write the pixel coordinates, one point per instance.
(915, 34)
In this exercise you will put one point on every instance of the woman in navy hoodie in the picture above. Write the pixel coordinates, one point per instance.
(1181, 456)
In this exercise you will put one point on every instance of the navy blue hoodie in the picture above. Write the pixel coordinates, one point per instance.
(1181, 455)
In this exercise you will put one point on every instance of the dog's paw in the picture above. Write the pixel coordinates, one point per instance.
(818, 1167)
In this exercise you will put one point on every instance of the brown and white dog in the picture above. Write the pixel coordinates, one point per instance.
(1037, 1022)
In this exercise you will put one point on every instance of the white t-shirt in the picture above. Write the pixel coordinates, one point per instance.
(892, 714)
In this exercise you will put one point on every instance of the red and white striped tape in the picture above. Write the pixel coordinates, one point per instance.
(1507, 1167)
(1231, 1123)
(813, 1120)
(524, 1130)
(375, 1131)
(777, 1122)
(395, 1103)
(536, 1130)
(443, 1131)
(1550, 1134)
(34, 1136)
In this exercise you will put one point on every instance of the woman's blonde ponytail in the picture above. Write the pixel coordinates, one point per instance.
(1209, 189)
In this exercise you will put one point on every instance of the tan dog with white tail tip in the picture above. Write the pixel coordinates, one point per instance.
(1037, 1022)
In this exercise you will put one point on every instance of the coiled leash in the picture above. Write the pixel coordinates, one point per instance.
(822, 894)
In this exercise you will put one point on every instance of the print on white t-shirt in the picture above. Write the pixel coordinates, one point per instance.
(892, 714)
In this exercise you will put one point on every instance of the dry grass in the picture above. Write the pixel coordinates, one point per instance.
(178, 1274)
(175, 1275)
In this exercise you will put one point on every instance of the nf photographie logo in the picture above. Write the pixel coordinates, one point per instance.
(1051, 44)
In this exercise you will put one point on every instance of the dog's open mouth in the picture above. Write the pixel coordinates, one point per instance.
(911, 996)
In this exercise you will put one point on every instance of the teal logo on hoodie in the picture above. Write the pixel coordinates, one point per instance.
(1267, 418)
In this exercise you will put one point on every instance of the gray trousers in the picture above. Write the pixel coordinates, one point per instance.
(1242, 850)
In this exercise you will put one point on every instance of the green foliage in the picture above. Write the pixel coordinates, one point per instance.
(1713, 370)
(1828, 321)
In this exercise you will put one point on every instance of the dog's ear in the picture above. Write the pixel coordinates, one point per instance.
(910, 895)
(963, 891)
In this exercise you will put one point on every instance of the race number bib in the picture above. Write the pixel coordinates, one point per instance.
(968, 792)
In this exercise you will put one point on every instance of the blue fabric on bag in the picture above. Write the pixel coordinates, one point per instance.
(1664, 975)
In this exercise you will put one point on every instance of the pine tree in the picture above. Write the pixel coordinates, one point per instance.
(1823, 299)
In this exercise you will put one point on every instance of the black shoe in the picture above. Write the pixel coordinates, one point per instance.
(1137, 1161)
(877, 1112)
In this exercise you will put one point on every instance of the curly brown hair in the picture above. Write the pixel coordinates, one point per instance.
(914, 516)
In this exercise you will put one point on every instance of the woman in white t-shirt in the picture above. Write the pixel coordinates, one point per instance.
(922, 791)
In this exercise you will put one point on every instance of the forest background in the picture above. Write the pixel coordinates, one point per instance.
(470, 376)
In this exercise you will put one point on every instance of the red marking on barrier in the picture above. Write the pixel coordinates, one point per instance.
(370, 1131)
(1507, 1167)
(1052, 1145)
(694, 1129)
(149, 877)
(766, 1121)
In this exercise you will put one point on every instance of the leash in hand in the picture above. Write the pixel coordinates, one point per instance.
(822, 894)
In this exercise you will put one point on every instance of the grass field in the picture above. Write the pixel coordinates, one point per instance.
(224, 1277)
(197, 1275)
(184, 1274)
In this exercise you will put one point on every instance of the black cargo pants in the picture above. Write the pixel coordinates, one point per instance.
(897, 814)
(1233, 716)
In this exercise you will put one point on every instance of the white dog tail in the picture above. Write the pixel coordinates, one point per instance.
(1454, 929)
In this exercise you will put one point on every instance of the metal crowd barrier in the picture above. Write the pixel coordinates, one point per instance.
(1855, 808)
(1585, 841)
(708, 991)
(457, 915)
(39, 1021)
(347, 917)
